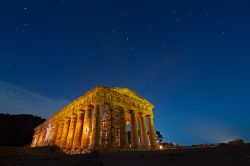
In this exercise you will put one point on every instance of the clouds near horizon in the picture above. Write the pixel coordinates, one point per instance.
(16, 100)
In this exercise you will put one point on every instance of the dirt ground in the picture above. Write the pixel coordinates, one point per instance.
(226, 155)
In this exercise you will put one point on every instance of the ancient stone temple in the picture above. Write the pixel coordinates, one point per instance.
(105, 118)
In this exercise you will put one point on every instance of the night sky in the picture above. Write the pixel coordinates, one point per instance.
(189, 58)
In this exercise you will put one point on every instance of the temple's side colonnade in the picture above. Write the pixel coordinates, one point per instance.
(100, 120)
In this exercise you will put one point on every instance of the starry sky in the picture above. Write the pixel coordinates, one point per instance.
(190, 58)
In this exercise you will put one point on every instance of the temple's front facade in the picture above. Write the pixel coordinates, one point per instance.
(105, 118)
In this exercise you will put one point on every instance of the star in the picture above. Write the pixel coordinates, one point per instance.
(223, 33)
(127, 38)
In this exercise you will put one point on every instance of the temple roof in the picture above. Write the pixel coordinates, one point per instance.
(128, 92)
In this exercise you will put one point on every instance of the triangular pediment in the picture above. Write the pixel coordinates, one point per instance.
(128, 92)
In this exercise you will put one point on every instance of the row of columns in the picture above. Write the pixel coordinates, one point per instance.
(83, 130)
(73, 131)
(141, 139)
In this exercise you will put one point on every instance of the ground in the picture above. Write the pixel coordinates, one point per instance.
(224, 155)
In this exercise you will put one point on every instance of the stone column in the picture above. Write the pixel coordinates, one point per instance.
(51, 140)
(39, 138)
(109, 128)
(71, 131)
(140, 129)
(35, 140)
(42, 138)
(55, 134)
(113, 129)
(123, 131)
(78, 130)
(59, 133)
(134, 131)
(144, 132)
(97, 127)
(152, 137)
(65, 132)
(86, 128)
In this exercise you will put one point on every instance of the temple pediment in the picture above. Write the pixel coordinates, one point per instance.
(128, 92)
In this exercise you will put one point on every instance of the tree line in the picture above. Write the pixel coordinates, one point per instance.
(17, 130)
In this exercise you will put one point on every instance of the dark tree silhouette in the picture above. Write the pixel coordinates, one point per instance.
(17, 130)
(159, 137)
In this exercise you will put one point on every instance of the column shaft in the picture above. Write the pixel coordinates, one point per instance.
(144, 133)
(59, 133)
(42, 139)
(97, 127)
(134, 131)
(65, 132)
(78, 130)
(152, 137)
(71, 131)
(109, 128)
(123, 131)
(39, 138)
(140, 130)
(34, 142)
(86, 128)
(113, 129)
(51, 139)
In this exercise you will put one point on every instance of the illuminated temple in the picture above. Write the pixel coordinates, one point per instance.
(105, 118)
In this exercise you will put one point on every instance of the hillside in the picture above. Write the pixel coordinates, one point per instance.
(17, 130)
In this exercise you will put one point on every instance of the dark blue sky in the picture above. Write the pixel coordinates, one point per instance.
(189, 58)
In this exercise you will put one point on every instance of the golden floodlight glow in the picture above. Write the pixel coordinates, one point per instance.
(100, 120)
